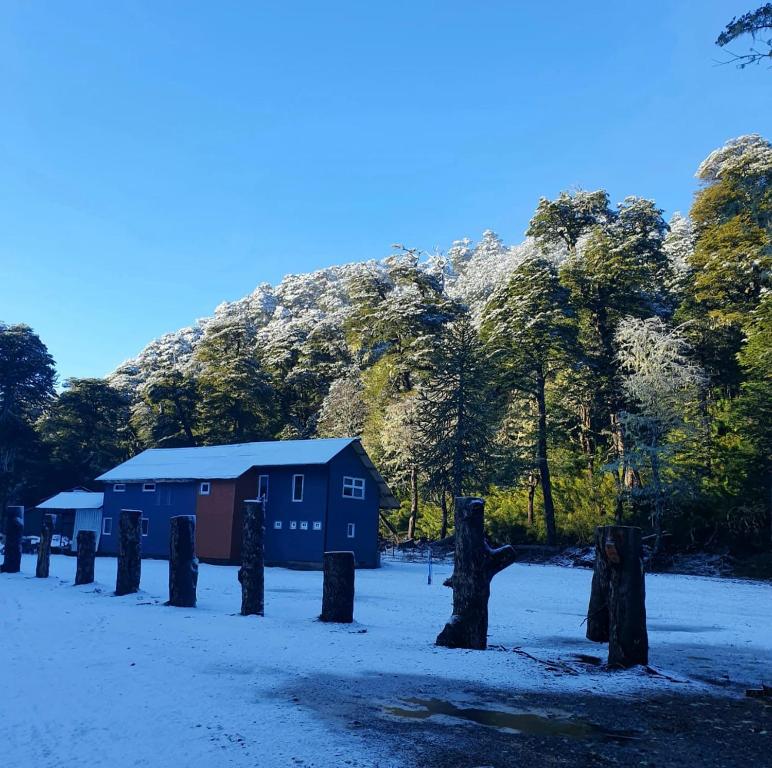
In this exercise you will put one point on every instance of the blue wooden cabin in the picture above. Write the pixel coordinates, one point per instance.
(321, 495)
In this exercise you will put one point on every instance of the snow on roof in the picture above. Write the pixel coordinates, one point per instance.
(73, 500)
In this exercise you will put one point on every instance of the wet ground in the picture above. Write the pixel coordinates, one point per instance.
(433, 723)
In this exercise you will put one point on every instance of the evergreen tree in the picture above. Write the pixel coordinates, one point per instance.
(528, 329)
(166, 416)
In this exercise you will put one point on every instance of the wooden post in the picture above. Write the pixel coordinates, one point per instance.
(44, 550)
(183, 563)
(84, 571)
(476, 563)
(129, 553)
(14, 530)
(619, 586)
(338, 590)
(251, 573)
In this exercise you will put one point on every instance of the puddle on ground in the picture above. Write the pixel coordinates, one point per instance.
(533, 723)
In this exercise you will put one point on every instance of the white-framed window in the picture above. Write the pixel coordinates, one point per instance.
(205, 489)
(119, 487)
(351, 530)
(262, 487)
(317, 525)
(304, 525)
(145, 525)
(277, 524)
(293, 525)
(297, 487)
(107, 526)
(353, 488)
(148, 487)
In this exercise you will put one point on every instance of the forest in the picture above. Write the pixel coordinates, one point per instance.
(613, 366)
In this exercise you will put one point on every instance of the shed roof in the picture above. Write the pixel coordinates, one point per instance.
(225, 462)
(73, 500)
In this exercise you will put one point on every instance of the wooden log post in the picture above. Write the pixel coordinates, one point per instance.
(621, 577)
(183, 563)
(84, 570)
(252, 571)
(338, 590)
(475, 564)
(129, 553)
(44, 550)
(14, 530)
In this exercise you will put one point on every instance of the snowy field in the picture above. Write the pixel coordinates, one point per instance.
(87, 678)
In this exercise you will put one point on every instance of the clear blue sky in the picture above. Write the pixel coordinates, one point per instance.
(157, 158)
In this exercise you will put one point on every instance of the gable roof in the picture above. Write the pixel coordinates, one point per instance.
(227, 462)
(73, 500)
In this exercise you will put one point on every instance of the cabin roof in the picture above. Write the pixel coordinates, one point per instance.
(73, 500)
(226, 462)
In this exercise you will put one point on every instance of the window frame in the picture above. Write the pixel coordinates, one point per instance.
(208, 491)
(304, 525)
(144, 526)
(110, 526)
(148, 487)
(317, 525)
(119, 487)
(277, 526)
(302, 487)
(351, 530)
(353, 486)
(293, 525)
(260, 484)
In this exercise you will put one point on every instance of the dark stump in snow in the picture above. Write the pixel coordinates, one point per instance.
(84, 571)
(129, 553)
(183, 563)
(476, 563)
(338, 590)
(44, 550)
(618, 597)
(252, 571)
(14, 530)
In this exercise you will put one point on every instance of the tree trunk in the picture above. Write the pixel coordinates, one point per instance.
(411, 523)
(338, 590)
(129, 553)
(622, 578)
(444, 508)
(252, 571)
(183, 563)
(84, 571)
(598, 613)
(543, 464)
(44, 550)
(533, 481)
(476, 563)
(14, 530)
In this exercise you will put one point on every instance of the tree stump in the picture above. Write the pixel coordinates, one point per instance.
(14, 530)
(475, 564)
(620, 576)
(183, 563)
(338, 590)
(44, 550)
(84, 571)
(252, 571)
(129, 553)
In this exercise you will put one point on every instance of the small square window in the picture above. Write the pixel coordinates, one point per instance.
(353, 488)
(293, 524)
(119, 487)
(318, 525)
(297, 487)
(277, 524)
(304, 525)
(145, 524)
(205, 489)
(107, 526)
(350, 530)
(148, 487)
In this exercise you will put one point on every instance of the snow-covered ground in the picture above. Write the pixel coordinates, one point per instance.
(90, 678)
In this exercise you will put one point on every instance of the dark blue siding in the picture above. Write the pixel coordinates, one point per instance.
(158, 506)
(363, 513)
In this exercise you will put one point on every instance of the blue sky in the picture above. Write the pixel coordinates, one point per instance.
(157, 158)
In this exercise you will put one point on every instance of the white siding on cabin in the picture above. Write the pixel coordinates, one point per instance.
(86, 520)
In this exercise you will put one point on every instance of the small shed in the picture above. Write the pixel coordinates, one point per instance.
(80, 509)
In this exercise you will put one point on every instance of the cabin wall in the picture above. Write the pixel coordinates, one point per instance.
(214, 520)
